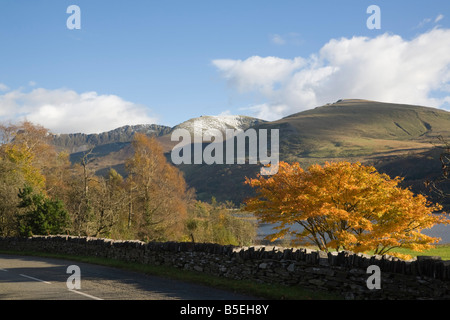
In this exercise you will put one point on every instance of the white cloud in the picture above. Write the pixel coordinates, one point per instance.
(277, 39)
(257, 72)
(225, 113)
(66, 111)
(292, 38)
(439, 18)
(386, 68)
(423, 22)
(3, 87)
(426, 21)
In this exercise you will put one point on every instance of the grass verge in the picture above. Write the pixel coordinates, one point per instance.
(251, 288)
(440, 250)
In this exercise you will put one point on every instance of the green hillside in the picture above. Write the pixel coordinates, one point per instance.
(360, 128)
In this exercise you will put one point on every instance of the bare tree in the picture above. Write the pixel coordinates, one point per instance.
(79, 199)
(440, 186)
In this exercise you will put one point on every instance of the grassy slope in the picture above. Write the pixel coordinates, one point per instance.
(358, 128)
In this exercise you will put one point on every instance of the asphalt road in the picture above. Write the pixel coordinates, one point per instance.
(37, 278)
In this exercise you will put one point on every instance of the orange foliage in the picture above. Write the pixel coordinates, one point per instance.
(158, 189)
(344, 206)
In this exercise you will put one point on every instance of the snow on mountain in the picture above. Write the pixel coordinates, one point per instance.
(219, 122)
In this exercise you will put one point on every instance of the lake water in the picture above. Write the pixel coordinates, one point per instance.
(438, 231)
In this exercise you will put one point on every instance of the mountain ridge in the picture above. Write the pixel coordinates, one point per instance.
(78, 142)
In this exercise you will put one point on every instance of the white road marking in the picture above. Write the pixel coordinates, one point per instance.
(24, 275)
(79, 292)
(3, 270)
(85, 294)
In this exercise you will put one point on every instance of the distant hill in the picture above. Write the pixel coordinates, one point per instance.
(397, 139)
(77, 142)
(360, 128)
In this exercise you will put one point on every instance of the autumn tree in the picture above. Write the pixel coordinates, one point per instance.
(80, 186)
(344, 206)
(27, 158)
(29, 147)
(109, 203)
(26, 146)
(157, 192)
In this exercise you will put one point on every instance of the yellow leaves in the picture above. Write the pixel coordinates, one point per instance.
(343, 205)
(23, 158)
(400, 255)
(28, 147)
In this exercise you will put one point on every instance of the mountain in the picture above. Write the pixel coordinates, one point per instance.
(397, 139)
(360, 128)
(78, 142)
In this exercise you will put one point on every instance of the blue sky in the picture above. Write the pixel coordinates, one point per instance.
(167, 61)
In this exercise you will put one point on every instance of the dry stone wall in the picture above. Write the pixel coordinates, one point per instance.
(341, 272)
